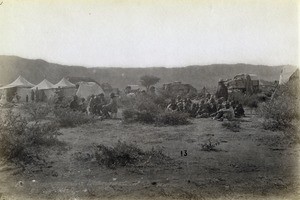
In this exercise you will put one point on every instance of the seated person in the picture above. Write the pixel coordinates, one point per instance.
(194, 110)
(239, 110)
(203, 110)
(180, 106)
(172, 106)
(225, 113)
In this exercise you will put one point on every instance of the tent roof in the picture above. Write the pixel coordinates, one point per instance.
(295, 75)
(44, 85)
(286, 73)
(19, 82)
(64, 83)
(77, 80)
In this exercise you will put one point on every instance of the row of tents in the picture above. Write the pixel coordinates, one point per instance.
(24, 90)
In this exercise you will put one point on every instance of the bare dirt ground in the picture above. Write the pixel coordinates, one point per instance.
(250, 164)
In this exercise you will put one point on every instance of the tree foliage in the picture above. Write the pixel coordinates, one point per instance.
(147, 81)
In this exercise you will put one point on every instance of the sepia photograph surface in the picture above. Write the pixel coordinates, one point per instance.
(148, 99)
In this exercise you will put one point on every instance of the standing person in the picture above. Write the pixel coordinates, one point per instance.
(82, 105)
(36, 95)
(32, 95)
(99, 103)
(74, 104)
(222, 90)
(91, 105)
(112, 107)
(152, 91)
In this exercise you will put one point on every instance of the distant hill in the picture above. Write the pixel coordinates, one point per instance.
(198, 76)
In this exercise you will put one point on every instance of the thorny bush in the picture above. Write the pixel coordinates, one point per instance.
(148, 110)
(173, 118)
(251, 101)
(210, 145)
(282, 112)
(37, 111)
(21, 141)
(65, 117)
(123, 154)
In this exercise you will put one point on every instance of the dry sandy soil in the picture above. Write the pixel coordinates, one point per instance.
(249, 164)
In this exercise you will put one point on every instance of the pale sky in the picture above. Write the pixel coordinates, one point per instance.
(170, 33)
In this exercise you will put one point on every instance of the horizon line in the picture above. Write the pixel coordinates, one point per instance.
(139, 67)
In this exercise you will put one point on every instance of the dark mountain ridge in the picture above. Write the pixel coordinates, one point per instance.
(197, 75)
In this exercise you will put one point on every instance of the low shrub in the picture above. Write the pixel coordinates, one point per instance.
(282, 111)
(146, 117)
(232, 125)
(123, 154)
(247, 100)
(20, 140)
(147, 109)
(146, 104)
(279, 113)
(65, 117)
(209, 145)
(270, 124)
(126, 102)
(37, 111)
(62, 102)
(173, 118)
(130, 115)
(120, 155)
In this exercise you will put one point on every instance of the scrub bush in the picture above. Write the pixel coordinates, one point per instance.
(122, 155)
(21, 141)
(282, 112)
(65, 117)
(147, 110)
(173, 118)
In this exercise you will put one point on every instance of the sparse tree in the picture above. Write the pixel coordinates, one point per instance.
(147, 81)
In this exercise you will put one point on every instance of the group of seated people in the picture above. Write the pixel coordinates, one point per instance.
(208, 107)
(97, 105)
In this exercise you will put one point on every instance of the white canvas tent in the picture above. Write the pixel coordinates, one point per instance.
(87, 89)
(286, 73)
(44, 85)
(20, 86)
(68, 88)
(20, 82)
(64, 83)
(46, 88)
